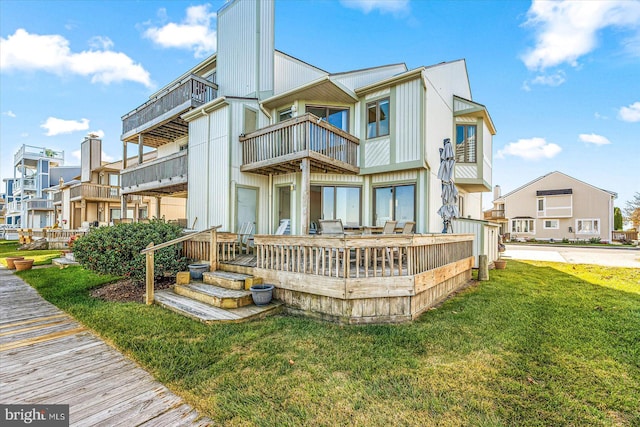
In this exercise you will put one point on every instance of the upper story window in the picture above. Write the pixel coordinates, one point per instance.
(466, 143)
(285, 114)
(540, 205)
(338, 117)
(114, 179)
(378, 118)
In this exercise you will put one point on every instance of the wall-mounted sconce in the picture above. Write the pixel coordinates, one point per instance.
(292, 187)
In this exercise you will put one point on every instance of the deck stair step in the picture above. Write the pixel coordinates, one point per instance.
(206, 313)
(215, 295)
(229, 280)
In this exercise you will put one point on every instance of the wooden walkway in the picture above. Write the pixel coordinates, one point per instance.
(46, 357)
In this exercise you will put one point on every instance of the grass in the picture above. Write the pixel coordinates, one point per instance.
(10, 249)
(540, 344)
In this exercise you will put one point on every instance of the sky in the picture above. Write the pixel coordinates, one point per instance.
(561, 80)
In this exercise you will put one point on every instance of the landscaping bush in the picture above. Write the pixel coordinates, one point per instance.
(116, 250)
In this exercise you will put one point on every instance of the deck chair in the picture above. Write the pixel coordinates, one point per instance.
(245, 236)
(389, 227)
(408, 226)
(282, 229)
(331, 227)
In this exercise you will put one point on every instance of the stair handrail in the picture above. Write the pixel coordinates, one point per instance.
(151, 248)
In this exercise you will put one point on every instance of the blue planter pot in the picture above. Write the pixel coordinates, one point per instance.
(262, 294)
(196, 270)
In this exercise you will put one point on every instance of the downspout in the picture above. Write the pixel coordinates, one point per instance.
(208, 167)
(270, 207)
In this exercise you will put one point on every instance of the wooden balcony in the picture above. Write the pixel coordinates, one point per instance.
(94, 192)
(159, 118)
(494, 214)
(166, 176)
(279, 148)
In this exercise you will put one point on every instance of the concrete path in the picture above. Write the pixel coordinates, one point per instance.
(46, 357)
(609, 257)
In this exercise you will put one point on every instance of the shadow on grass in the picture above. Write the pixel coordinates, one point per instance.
(534, 346)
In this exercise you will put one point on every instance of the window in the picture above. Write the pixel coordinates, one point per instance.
(378, 118)
(142, 213)
(250, 120)
(461, 206)
(338, 117)
(551, 224)
(342, 203)
(285, 114)
(540, 205)
(587, 226)
(523, 226)
(114, 180)
(394, 203)
(466, 143)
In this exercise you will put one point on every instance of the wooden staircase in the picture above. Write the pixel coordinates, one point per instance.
(222, 296)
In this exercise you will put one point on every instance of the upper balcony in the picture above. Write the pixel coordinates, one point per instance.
(94, 193)
(159, 118)
(495, 214)
(14, 207)
(57, 198)
(166, 176)
(279, 148)
(31, 154)
(24, 184)
(39, 205)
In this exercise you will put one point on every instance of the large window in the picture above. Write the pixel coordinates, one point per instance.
(394, 203)
(338, 117)
(551, 224)
(342, 203)
(378, 118)
(523, 226)
(466, 143)
(587, 226)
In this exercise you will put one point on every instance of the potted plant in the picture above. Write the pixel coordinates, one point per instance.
(24, 264)
(11, 261)
(500, 263)
(197, 269)
(261, 294)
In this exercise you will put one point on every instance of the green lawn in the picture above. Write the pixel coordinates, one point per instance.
(540, 345)
(10, 249)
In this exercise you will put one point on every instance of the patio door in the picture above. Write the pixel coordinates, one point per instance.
(246, 206)
(284, 204)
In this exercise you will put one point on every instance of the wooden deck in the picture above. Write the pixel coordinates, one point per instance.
(46, 357)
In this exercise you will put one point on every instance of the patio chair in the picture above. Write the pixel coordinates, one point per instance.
(331, 227)
(282, 229)
(408, 226)
(245, 236)
(389, 227)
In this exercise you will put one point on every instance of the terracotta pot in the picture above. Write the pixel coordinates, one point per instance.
(23, 264)
(10, 262)
(500, 264)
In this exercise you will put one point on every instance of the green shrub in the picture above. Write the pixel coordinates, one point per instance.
(116, 250)
(594, 240)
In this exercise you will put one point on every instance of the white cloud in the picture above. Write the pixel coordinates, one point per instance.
(56, 126)
(530, 149)
(9, 113)
(384, 6)
(100, 42)
(194, 33)
(630, 113)
(592, 138)
(51, 53)
(567, 30)
(600, 116)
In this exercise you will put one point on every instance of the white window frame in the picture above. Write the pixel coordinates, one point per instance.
(532, 229)
(557, 226)
(593, 230)
(541, 212)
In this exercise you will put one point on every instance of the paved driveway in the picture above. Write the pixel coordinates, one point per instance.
(610, 257)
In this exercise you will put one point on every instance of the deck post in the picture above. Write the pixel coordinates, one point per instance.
(140, 148)
(306, 195)
(213, 250)
(149, 275)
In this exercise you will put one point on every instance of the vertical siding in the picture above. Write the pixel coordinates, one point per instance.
(218, 196)
(404, 175)
(487, 147)
(290, 73)
(197, 184)
(267, 17)
(407, 118)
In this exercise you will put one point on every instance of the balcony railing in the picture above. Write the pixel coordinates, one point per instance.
(39, 205)
(31, 151)
(168, 172)
(14, 207)
(57, 197)
(25, 184)
(494, 214)
(278, 148)
(95, 192)
(191, 92)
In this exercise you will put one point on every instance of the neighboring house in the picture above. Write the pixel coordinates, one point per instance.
(557, 206)
(255, 135)
(36, 169)
(94, 196)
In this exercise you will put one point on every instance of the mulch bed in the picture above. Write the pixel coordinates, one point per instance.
(127, 290)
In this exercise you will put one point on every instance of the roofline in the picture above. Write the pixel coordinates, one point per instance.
(370, 69)
(614, 194)
(308, 85)
(192, 70)
(301, 61)
(398, 78)
(484, 108)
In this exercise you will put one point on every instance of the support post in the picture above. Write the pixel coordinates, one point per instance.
(158, 201)
(140, 148)
(149, 276)
(483, 268)
(306, 195)
(213, 250)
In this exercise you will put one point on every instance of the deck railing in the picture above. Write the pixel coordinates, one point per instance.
(361, 256)
(33, 151)
(40, 205)
(95, 191)
(624, 236)
(160, 170)
(198, 248)
(24, 184)
(299, 135)
(193, 91)
(494, 214)
(57, 197)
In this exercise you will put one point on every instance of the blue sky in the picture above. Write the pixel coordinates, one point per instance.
(561, 79)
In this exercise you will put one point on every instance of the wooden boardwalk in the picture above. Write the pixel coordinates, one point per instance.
(46, 357)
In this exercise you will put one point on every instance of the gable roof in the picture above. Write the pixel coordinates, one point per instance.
(549, 174)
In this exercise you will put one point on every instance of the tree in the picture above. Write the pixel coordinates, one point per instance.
(632, 210)
(617, 219)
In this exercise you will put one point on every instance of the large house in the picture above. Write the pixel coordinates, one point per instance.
(556, 206)
(253, 134)
(36, 169)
